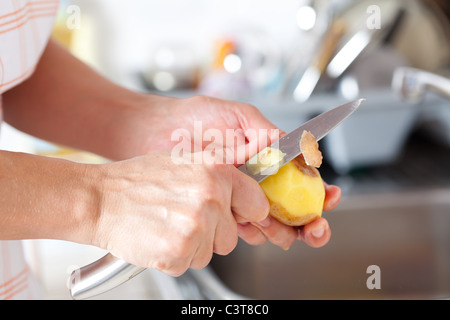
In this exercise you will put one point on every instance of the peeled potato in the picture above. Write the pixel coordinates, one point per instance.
(296, 193)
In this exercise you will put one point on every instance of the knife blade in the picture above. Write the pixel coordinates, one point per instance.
(319, 126)
(109, 272)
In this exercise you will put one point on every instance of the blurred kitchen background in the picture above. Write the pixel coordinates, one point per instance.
(293, 59)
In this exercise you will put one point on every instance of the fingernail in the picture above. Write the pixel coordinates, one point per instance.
(264, 223)
(318, 233)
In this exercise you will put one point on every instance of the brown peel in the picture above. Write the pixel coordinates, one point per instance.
(310, 149)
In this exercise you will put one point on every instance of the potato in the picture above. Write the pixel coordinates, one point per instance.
(296, 193)
(265, 162)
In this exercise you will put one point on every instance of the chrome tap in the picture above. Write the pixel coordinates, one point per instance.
(411, 84)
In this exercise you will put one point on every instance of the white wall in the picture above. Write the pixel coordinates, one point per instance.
(128, 30)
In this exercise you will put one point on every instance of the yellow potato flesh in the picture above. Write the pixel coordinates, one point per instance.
(265, 162)
(296, 193)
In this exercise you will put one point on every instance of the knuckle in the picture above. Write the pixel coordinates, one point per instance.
(194, 224)
(211, 197)
(209, 193)
(200, 263)
(189, 236)
(176, 272)
(226, 247)
(182, 247)
(173, 263)
(160, 265)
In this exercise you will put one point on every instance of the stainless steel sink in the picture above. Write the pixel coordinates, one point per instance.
(406, 234)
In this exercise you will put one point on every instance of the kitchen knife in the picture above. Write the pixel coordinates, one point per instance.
(109, 271)
(319, 126)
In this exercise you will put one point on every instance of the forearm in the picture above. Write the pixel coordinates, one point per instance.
(67, 102)
(46, 198)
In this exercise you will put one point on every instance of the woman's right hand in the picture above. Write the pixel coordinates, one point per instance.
(171, 217)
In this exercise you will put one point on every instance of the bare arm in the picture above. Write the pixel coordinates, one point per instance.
(46, 198)
(67, 102)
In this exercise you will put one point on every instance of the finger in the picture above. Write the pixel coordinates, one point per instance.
(251, 117)
(202, 256)
(175, 259)
(250, 234)
(248, 201)
(332, 197)
(316, 234)
(277, 233)
(258, 131)
(226, 234)
(256, 140)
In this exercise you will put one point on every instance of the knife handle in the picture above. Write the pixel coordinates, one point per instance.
(100, 276)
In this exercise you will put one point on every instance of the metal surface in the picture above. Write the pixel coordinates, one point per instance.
(412, 84)
(404, 234)
(349, 52)
(348, 37)
(312, 74)
(101, 276)
(110, 272)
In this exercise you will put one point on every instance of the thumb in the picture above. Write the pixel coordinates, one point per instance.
(259, 132)
(248, 201)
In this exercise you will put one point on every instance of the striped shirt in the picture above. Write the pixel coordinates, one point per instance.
(25, 27)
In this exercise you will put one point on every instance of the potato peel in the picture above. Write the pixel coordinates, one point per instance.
(310, 149)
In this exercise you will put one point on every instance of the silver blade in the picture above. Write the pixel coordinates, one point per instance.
(319, 126)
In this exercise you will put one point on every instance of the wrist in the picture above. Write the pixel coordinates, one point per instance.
(138, 125)
(85, 198)
(73, 196)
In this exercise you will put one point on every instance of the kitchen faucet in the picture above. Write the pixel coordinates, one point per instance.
(411, 84)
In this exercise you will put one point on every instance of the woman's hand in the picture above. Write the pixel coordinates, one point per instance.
(157, 214)
(316, 234)
(152, 212)
(170, 114)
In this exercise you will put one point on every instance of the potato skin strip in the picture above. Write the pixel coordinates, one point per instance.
(310, 149)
